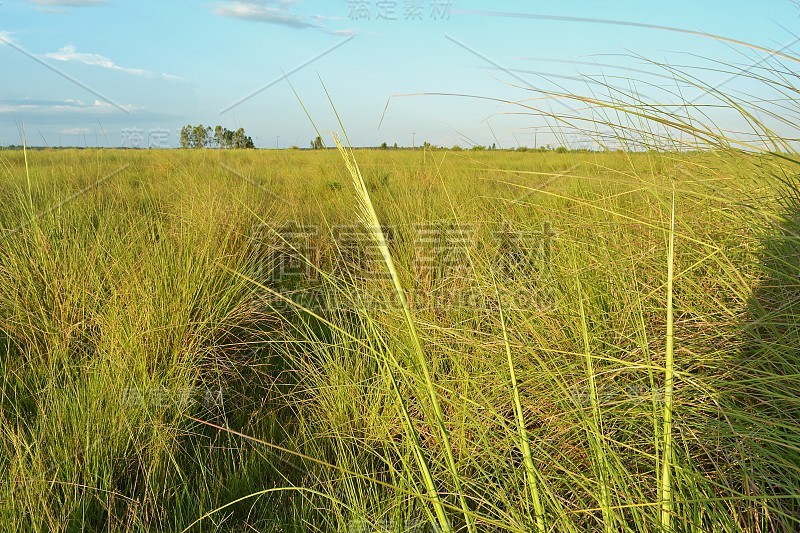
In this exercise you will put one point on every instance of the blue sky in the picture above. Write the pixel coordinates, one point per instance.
(116, 72)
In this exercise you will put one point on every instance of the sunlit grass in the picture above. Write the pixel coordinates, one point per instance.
(582, 341)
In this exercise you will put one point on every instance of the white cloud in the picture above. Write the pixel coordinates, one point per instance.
(5, 38)
(47, 107)
(71, 53)
(75, 131)
(264, 12)
(276, 12)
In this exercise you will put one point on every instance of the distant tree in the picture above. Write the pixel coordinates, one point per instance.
(384, 146)
(494, 146)
(241, 140)
(201, 136)
(316, 144)
(197, 136)
(186, 136)
(395, 146)
(204, 137)
(456, 148)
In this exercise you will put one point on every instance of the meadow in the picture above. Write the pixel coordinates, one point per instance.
(401, 340)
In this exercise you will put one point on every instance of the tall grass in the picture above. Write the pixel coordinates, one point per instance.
(370, 218)
(488, 377)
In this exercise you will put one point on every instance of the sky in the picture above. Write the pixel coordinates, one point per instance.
(131, 73)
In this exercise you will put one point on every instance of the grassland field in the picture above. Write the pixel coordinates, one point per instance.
(223, 340)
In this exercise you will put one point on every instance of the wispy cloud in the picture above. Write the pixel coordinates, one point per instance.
(5, 37)
(44, 107)
(75, 131)
(275, 12)
(71, 53)
(326, 17)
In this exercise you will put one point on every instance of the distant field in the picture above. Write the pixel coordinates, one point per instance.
(217, 334)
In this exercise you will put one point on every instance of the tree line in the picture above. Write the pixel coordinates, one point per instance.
(204, 137)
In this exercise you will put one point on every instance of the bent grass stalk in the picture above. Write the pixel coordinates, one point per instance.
(370, 218)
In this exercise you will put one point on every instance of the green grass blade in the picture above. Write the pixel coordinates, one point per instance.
(524, 441)
(666, 474)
